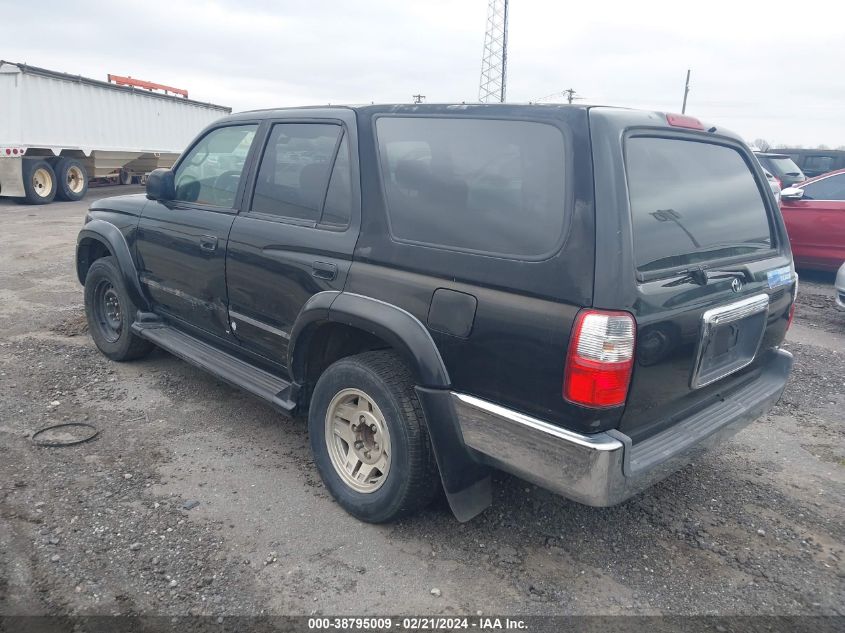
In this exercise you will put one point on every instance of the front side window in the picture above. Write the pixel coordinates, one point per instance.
(295, 168)
(830, 188)
(692, 202)
(491, 186)
(212, 170)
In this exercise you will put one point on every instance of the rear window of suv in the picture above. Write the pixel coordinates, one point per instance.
(784, 166)
(478, 185)
(692, 202)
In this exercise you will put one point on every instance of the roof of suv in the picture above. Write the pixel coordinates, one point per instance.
(772, 154)
(412, 107)
(625, 116)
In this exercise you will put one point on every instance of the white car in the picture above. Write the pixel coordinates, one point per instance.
(774, 183)
(840, 287)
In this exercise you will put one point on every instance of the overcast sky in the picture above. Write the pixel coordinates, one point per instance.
(754, 69)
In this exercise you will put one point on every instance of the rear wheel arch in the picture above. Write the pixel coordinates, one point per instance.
(334, 324)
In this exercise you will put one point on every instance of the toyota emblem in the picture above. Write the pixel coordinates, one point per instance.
(736, 284)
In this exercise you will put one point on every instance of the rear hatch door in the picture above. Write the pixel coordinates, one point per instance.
(691, 242)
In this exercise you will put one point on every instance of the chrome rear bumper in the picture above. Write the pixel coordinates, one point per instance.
(604, 469)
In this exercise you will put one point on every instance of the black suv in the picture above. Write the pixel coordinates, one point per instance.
(583, 297)
(782, 167)
(815, 162)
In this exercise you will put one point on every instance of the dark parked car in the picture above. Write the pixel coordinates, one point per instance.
(782, 167)
(814, 213)
(815, 162)
(584, 297)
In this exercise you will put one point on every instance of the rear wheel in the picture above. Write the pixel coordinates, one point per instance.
(72, 180)
(39, 182)
(369, 438)
(110, 312)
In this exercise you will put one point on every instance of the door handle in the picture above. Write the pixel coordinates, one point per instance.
(208, 243)
(324, 270)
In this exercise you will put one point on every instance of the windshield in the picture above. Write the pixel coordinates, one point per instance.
(692, 202)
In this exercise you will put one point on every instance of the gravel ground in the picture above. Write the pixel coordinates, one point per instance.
(198, 499)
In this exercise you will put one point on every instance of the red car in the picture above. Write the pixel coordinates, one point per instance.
(814, 212)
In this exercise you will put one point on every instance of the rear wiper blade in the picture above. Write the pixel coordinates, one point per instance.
(703, 276)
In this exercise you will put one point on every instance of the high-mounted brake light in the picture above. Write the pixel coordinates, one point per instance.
(600, 359)
(682, 120)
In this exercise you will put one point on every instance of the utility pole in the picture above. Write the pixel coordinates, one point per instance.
(569, 93)
(494, 58)
(418, 98)
(686, 92)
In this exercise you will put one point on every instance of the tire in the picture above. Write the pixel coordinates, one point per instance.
(71, 179)
(379, 387)
(125, 177)
(110, 312)
(39, 182)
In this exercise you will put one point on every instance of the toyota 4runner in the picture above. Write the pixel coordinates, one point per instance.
(584, 297)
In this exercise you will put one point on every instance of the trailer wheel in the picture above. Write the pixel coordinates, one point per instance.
(125, 176)
(72, 180)
(39, 182)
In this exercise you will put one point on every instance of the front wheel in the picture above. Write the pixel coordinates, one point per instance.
(369, 438)
(110, 312)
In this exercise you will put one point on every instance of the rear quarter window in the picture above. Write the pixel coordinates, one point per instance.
(478, 185)
(692, 202)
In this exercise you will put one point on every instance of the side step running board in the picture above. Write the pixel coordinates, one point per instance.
(224, 366)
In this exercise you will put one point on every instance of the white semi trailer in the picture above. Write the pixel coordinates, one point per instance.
(57, 131)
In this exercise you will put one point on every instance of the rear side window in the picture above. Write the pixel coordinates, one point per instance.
(295, 168)
(487, 186)
(692, 202)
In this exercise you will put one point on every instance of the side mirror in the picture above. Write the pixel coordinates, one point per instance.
(792, 193)
(160, 185)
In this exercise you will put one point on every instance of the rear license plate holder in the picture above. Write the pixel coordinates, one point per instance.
(730, 337)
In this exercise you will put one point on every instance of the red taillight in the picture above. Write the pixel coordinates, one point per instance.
(600, 359)
(682, 120)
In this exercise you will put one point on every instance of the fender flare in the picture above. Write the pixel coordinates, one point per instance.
(397, 327)
(111, 237)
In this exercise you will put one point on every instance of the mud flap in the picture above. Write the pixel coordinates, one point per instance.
(465, 480)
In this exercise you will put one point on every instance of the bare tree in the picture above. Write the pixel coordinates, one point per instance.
(762, 144)
(822, 146)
